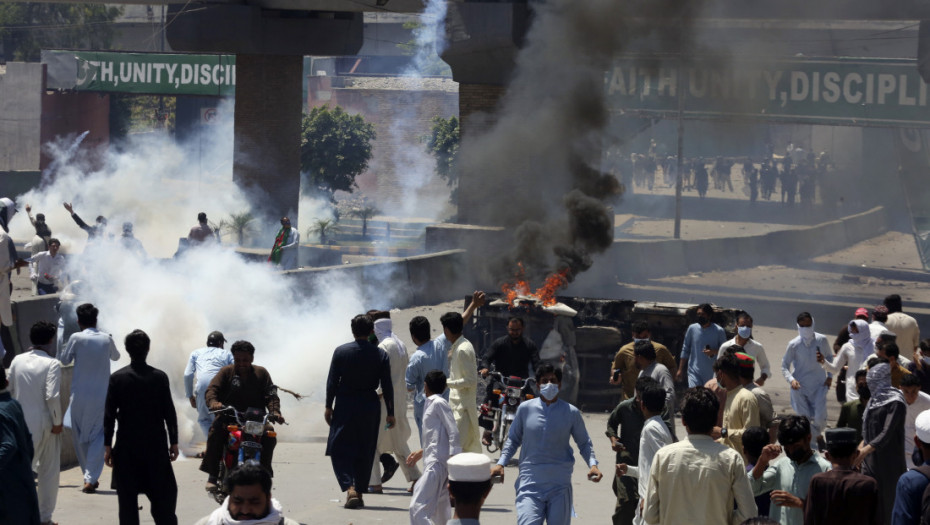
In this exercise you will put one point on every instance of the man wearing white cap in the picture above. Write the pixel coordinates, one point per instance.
(911, 485)
(430, 503)
(469, 486)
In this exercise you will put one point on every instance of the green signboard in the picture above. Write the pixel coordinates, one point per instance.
(147, 73)
(858, 92)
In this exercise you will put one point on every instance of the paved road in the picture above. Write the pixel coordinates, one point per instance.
(305, 483)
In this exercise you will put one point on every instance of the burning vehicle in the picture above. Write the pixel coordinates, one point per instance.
(590, 332)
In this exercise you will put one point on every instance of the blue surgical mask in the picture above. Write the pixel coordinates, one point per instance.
(744, 331)
(549, 391)
(635, 340)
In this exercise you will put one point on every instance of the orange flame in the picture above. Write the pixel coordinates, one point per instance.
(545, 294)
(518, 287)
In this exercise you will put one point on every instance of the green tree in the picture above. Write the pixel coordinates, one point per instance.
(443, 144)
(335, 147)
(322, 227)
(240, 224)
(28, 27)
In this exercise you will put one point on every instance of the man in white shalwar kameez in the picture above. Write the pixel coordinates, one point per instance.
(463, 382)
(393, 440)
(35, 381)
(430, 503)
(203, 365)
(91, 351)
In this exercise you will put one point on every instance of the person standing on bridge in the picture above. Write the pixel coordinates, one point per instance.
(284, 250)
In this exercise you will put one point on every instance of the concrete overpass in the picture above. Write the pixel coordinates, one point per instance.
(269, 37)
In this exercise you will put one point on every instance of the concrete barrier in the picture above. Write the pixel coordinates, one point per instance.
(410, 281)
(633, 260)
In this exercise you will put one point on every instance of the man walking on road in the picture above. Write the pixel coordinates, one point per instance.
(203, 365)
(700, 348)
(353, 410)
(393, 439)
(91, 351)
(809, 381)
(463, 382)
(139, 400)
(35, 381)
(541, 429)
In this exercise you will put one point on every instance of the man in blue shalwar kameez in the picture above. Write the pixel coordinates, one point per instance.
(542, 427)
(91, 351)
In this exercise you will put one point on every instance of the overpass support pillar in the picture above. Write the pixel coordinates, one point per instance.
(266, 153)
(484, 38)
(269, 45)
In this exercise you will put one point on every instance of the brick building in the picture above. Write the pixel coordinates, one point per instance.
(401, 177)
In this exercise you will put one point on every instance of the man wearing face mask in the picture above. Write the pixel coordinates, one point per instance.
(700, 349)
(624, 371)
(789, 477)
(809, 381)
(541, 429)
(749, 346)
(852, 355)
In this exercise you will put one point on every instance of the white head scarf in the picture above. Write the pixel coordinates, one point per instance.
(383, 330)
(879, 380)
(862, 340)
(221, 516)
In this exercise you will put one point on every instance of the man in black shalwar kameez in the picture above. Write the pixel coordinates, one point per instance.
(356, 370)
(139, 398)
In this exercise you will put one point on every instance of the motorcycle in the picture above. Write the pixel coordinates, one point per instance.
(244, 444)
(509, 399)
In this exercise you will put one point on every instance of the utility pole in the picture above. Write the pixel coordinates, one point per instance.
(680, 80)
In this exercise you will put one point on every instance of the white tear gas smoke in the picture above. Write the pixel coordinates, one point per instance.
(535, 169)
(414, 166)
(157, 184)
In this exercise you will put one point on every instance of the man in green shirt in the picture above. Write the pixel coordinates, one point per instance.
(624, 426)
(789, 477)
(851, 412)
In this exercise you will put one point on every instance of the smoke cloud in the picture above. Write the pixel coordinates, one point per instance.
(543, 152)
(161, 186)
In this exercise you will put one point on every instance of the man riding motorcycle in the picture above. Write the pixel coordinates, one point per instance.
(513, 356)
(240, 385)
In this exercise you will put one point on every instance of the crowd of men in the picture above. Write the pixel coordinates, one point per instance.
(739, 461)
(797, 173)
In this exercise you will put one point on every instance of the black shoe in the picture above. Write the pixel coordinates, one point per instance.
(389, 470)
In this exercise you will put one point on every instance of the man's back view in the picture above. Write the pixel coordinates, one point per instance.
(707, 475)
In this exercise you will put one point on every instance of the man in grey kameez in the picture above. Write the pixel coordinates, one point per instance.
(881, 452)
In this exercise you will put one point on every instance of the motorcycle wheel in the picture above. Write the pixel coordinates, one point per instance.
(220, 493)
(502, 435)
